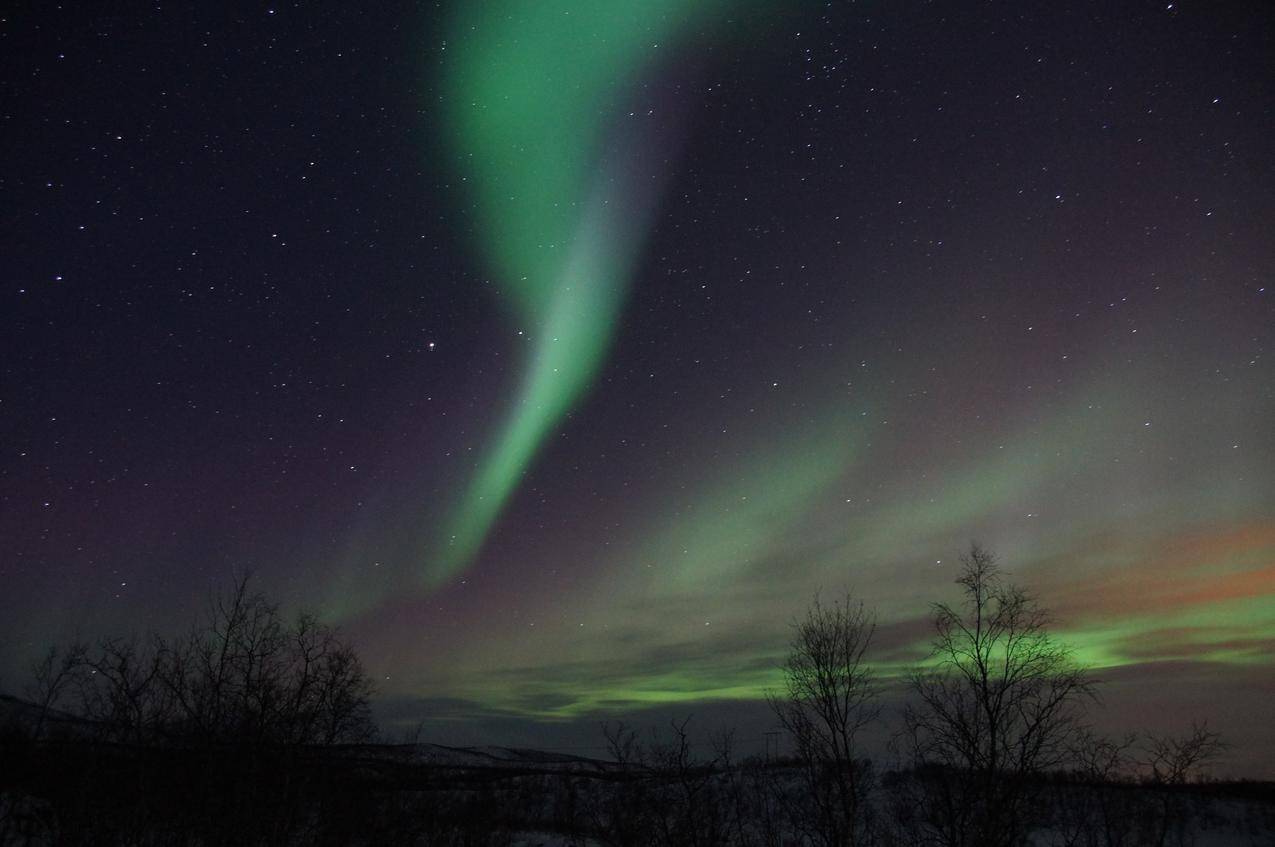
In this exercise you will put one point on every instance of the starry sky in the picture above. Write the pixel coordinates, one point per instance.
(560, 351)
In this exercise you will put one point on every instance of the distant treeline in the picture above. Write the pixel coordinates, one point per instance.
(253, 730)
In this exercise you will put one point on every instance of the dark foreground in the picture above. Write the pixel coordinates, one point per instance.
(73, 792)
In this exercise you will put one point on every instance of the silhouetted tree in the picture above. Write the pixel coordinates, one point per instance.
(1097, 806)
(244, 674)
(668, 796)
(224, 734)
(999, 704)
(1172, 763)
(52, 676)
(829, 696)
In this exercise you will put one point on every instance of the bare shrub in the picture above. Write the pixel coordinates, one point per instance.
(1172, 763)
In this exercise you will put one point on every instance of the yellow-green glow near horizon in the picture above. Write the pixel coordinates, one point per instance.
(561, 351)
(696, 607)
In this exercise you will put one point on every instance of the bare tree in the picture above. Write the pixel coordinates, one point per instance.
(51, 677)
(1178, 760)
(666, 795)
(829, 696)
(213, 736)
(119, 690)
(998, 704)
(241, 675)
(622, 742)
(625, 812)
(691, 813)
(1096, 807)
(1171, 764)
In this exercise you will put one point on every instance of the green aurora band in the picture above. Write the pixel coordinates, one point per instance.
(533, 88)
(1145, 563)
(695, 604)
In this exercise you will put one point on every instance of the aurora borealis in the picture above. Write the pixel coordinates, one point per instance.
(561, 351)
(563, 200)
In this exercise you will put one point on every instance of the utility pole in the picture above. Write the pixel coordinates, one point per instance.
(772, 745)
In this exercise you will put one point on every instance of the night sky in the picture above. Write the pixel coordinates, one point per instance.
(560, 350)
